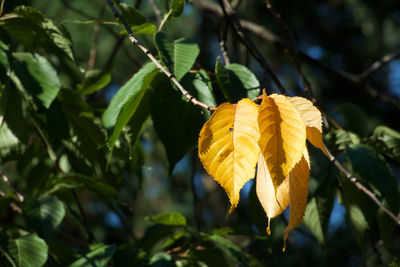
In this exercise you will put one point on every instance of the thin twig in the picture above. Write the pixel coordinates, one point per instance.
(157, 11)
(135, 42)
(287, 34)
(71, 239)
(361, 187)
(19, 196)
(222, 44)
(93, 50)
(241, 33)
(378, 64)
(95, 41)
(1, 7)
(83, 216)
(111, 58)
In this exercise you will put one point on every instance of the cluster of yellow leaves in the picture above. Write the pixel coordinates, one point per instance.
(273, 135)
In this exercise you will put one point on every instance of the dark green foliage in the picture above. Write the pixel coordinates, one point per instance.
(98, 160)
(236, 82)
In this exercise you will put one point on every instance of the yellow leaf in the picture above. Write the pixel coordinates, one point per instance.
(283, 135)
(228, 146)
(313, 121)
(273, 204)
(298, 190)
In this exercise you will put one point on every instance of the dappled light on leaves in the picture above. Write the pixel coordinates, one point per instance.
(228, 146)
(273, 135)
(282, 135)
(298, 190)
(273, 203)
(312, 119)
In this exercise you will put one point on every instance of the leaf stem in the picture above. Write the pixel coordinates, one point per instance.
(361, 187)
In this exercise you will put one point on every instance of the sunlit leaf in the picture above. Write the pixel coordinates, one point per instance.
(228, 146)
(312, 119)
(37, 76)
(126, 101)
(29, 27)
(236, 81)
(273, 202)
(44, 214)
(178, 56)
(176, 8)
(97, 255)
(28, 251)
(172, 219)
(340, 139)
(94, 81)
(282, 135)
(131, 14)
(387, 140)
(298, 190)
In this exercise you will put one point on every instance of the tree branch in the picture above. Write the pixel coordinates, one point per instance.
(286, 33)
(222, 44)
(362, 188)
(266, 35)
(157, 11)
(135, 42)
(378, 64)
(233, 19)
(19, 196)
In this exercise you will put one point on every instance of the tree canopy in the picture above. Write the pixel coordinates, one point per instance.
(173, 133)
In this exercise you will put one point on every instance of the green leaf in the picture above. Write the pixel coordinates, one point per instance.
(71, 180)
(199, 85)
(94, 81)
(161, 259)
(371, 168)
(177, 122)
(178, 56)
(8, 141)
(387, 141)
(28, 251)
(126, 101)
(145, 28)
(386, 224)
(138, 121)
(209, 256)
(319, 209)
(171, 219)
(37, 76)
(236, 82)
(44, 214)
(341, 139)
(154, 234)
(360, 208)
(5, 69)
(30, 28)
(97, 255)
(354, 119)
(17, 117)
(3, 104)
(176, 8)
(234, 251)
(131, 15)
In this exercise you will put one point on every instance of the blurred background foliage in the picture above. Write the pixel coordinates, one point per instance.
(70, 196)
